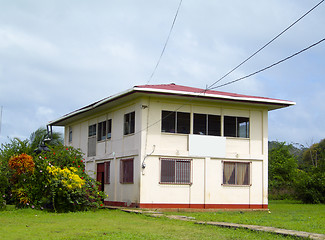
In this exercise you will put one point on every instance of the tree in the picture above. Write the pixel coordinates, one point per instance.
(282, 170)
(37, 138)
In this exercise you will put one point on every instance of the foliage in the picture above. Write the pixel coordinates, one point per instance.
(297, 173)
(22, 164)
(38, 137)
(54, 180)
(310, 186)
(282, 170)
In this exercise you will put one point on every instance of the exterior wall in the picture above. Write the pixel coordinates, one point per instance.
(119, 147)
(149, 144)
(206, 190)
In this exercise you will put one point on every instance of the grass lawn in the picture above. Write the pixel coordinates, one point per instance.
(111, 224)
(283, 214)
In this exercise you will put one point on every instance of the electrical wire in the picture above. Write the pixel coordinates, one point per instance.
(270, 66)
(166, 42)
(268, 43)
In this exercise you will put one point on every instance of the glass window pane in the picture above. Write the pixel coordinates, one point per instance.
(230, 126)
(242, 174)
(183, 122)
(132, 122)
(129, 123)
(168, 121)
(214, 125)
(92, 130)
(229, 173)
(109, 128)
(243, 127)
(200, 124)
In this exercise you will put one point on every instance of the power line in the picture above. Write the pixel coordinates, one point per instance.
(165, 45)
(268, 43)
(272, 65)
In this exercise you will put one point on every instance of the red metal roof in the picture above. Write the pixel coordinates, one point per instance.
(185, 89)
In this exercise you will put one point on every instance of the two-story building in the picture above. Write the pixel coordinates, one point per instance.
(171, 146)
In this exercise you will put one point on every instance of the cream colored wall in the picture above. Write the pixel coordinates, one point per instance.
(114, 149)
(207, 171)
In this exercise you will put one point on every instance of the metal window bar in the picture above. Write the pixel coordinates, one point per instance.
(176, 171)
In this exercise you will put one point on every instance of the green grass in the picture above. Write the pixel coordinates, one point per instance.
(110, 224)
(283, 214)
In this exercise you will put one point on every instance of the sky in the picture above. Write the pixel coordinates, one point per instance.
(57, 56)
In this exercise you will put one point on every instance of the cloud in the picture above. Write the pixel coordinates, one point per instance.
(57, 56)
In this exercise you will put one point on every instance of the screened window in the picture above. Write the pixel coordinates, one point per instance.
(175, 122)
(205, 124)
(129, 123)
(175, 171)
(92, 130)
(236, 127)
(101, 131)
(107, 172)
(236, 173)
(126, 171)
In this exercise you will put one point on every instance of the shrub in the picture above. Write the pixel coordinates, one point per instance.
(310, 187)
(54, 180)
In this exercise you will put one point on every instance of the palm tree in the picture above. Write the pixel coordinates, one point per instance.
(37, 138)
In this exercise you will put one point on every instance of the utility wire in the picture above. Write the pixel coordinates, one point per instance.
(268, 43)
(165, 45)
(272, 65)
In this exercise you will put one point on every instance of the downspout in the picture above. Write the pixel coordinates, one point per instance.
(115, 177)
(205, 182)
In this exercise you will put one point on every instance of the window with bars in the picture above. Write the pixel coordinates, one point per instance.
(175, 122)
(126, 170)
(175, 171)
(236, 173)
(236, 127)
(129, 123)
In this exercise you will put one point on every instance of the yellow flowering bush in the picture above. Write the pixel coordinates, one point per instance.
(67, 176)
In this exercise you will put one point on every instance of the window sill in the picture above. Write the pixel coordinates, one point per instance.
(237, 138)
(234, 185)
(130, 134)
(170, 183)
(179, 134)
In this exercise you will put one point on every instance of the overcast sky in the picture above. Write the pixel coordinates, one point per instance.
(57, 56)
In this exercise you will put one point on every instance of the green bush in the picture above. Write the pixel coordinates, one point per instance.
(310, 186)
(54, 180)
